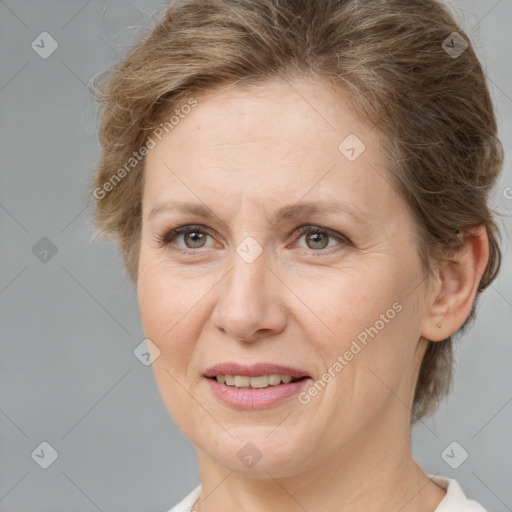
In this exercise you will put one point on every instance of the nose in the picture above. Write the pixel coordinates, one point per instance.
(249, 305)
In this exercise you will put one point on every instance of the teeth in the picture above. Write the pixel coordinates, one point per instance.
(261, 381)
(258, 382)
(274, 379)
(241, 381)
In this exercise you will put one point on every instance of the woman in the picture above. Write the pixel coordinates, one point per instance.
(299, 189)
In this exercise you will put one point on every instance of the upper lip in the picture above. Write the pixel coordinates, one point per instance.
(254, 370)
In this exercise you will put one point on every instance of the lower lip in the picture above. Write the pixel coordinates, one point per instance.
(255, 398)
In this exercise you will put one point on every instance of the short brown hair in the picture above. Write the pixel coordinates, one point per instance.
(432, 109)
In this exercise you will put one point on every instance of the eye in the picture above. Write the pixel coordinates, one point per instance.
(319, 239)
(191, 237)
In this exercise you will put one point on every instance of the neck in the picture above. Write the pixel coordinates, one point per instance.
(371, 473)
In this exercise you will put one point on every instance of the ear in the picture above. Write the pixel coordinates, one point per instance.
(452, 297)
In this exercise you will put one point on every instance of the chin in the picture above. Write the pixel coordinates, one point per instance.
(256, 451)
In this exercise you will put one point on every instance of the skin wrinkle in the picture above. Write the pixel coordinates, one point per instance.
(214, 307)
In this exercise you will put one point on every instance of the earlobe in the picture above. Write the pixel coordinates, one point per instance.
(459, 276)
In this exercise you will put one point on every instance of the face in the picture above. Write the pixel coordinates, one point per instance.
(332, 288)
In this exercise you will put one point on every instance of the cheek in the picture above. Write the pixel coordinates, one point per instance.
(165, 305)
(366, 327)
(167, 316)
(342, 306)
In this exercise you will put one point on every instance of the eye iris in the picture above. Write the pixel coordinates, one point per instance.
(315, 238)
(198, 239)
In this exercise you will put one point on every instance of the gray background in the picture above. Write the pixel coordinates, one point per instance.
(70, 324)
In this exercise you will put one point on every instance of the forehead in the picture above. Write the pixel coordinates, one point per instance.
(275, 142)
(296, 113)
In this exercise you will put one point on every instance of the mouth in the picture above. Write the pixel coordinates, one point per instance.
(256, 382)
(255, 386)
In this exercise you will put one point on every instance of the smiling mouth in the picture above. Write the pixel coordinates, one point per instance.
(258, 382)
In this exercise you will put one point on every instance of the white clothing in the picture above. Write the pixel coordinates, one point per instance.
(454, 501)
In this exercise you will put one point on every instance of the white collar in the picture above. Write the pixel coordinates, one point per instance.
(454, 501)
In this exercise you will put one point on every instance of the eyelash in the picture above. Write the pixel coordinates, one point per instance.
(166, 240)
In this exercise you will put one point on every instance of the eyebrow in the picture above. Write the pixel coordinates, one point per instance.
(286, 212)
